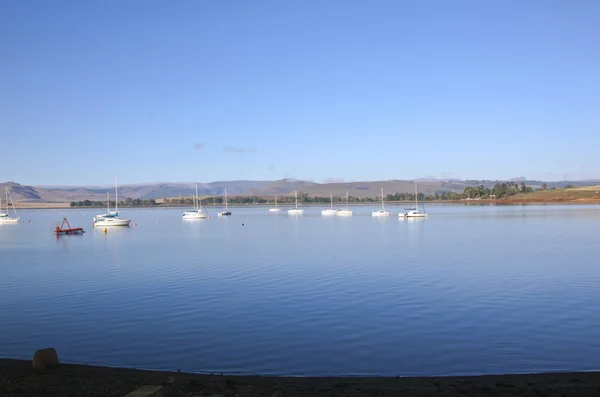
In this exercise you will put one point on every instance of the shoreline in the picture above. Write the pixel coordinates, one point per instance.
(18, 379)
(66, 206)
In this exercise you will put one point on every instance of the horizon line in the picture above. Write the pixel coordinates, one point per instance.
(520, 179)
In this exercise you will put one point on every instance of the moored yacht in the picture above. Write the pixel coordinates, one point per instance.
(4, 216)
(414, 212)
(382, 211)
(225, 212)
(295, 211)
(344, 211)
(329, 211)
(198, 212)
(111, 218)
(274, 209)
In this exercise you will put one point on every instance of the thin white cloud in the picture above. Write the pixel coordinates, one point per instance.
(236, 149)
(198, 146)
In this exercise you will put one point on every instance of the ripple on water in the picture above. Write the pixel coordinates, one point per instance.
(469, 290)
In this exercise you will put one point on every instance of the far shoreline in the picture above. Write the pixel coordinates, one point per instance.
(42, 206)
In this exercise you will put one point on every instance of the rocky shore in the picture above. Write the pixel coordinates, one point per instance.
(18, 379)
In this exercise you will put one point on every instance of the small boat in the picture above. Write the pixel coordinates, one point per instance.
(225, 212)
(414, 212)
(274, 209)
(329, 211)
(111, 218)
(345, 211)
(198, 212)
(60, 230)
(296, 211)
(4, 216)
(382, 211)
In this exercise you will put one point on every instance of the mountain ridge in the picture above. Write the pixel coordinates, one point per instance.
(361, 189)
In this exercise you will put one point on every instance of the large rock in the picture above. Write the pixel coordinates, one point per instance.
(45, 359)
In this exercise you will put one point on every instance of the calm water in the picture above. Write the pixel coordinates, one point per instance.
(472, 289)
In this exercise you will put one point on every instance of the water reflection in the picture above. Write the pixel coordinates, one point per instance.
(468, 289)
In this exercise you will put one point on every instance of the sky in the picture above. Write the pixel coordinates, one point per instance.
(336, 90)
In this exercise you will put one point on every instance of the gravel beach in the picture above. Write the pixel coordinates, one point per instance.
(18, 379)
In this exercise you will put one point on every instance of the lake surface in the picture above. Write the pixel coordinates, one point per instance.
(470, 290)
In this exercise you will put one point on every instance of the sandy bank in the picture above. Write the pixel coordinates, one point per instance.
(17, 379)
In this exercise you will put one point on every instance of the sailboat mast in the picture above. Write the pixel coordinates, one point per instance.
(346, 199)
(382, 206)
(225, 199)
(116, 197)
(331, 199)
(11, 202)
(108, 203)
(275, 201)
(296, 196)
(196, 199)
(416, 197)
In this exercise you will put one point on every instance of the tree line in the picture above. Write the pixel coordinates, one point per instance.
(128, 202)
(498, 191)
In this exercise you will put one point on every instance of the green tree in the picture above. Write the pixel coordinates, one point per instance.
(523, 188)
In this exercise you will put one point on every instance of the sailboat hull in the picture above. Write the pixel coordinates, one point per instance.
(328, 212)
(9, 220)
(414, 215)
(112, 222)
(191, 215)
(273, 209)
(380, 213)
(224, 213)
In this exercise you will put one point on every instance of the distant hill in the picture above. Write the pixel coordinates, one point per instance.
(372, 189)
(49, 194)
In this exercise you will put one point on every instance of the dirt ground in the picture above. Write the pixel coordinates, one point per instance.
(18, 379)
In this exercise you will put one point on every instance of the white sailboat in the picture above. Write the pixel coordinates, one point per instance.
(345, 211)
(295, 211)
(4, 216)
(197, 212)
(382, 211)
(225, 212)
(274, 209)
(329, 211)
(414, 212)
(111, 218)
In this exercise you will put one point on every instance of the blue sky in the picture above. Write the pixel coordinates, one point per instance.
(320, 90)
